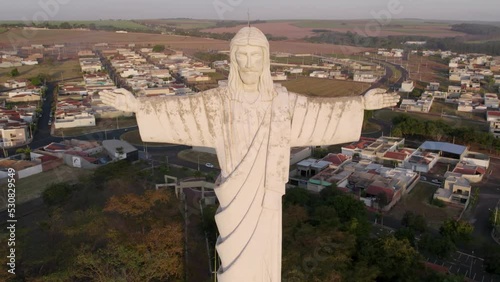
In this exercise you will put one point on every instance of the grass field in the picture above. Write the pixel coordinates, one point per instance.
(134, 138)
(101, 125)
(296, 60)
(119, 24)
(183, 23)
(370, 127)
(325, 87)
(30, 188)
(56, 70)
(418, 200)
(388, 115)
(395, 27)
(192, 156)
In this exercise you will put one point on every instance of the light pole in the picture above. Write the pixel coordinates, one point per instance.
(198, 162)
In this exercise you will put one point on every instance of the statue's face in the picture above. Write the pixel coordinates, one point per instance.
(250, 61)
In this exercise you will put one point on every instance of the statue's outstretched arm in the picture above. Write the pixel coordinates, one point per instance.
(190, 120)
(318, 121)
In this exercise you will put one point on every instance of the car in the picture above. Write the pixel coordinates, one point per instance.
(437, 181)
(50, 122)
(423, 178)
(209, 165)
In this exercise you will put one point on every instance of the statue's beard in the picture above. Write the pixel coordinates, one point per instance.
(250, 77)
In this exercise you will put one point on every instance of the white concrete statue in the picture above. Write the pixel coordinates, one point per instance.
(252, 124)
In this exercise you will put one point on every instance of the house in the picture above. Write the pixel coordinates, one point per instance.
(407, 86)
(365, 76)
(367, 181)
(454, 89)
(456, 191)
(119, 150)
(336, 160)
(13, 132)
(23, 168)
(319, 74)
(90, 64)
(71, 119)
(16, 83)
(444, 149)
(473, 173)
(311, 167)
(423, 104)
(493, 119)
(491, 100)
(433, 86)
(421, 161)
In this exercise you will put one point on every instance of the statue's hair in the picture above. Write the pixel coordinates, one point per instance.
(254, 37)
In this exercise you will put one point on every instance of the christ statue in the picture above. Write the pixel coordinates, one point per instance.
(252, 124)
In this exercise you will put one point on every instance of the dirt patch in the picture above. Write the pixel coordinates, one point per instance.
(325, 87)
(275, 28)
(418, 201)
(191, 45)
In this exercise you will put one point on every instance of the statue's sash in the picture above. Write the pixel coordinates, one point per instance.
(278, 151)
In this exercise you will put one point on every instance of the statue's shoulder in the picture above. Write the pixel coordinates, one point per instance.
(215, 93)
(280, 89)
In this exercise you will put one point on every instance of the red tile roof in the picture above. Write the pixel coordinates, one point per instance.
(396, 156)
(375, 190)
(494, 113)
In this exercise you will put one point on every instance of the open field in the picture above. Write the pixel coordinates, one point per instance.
(309, 60)
(134, 138)
(395, 27)
(56, 70)
(325, 87)
(119, 24)
(298, 29)
(286, 29)
(101, 125)
(194, 157)
(427, 69)
(181, 23)
(30, 188)
(191, 45)
(388, 115)
(418, 200)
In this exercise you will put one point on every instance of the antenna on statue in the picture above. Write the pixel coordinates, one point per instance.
(248, 13)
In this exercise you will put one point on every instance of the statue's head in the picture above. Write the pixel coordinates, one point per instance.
(250, 62)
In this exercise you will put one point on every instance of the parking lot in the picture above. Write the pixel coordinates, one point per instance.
(466, 265)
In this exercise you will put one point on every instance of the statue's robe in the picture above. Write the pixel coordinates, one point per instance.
(253, 143)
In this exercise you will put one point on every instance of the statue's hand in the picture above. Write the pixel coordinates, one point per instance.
(378, 98)
(120, 98)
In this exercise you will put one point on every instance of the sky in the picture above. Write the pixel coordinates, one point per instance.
(42, 10)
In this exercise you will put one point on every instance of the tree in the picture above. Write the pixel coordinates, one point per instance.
(65, 25)
(396, 259)
(14, 72)
(36, 81)
(456, 230)
(405, 233)
(492, 261)
(439, 246)
(26, 151)
(158, 48)
(415, 222)
(57, 194)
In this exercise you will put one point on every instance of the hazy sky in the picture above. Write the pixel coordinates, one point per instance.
(486, 10)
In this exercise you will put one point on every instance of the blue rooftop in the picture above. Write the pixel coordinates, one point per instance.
(444, 147)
